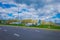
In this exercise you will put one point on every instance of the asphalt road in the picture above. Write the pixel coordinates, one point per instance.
(16, 33)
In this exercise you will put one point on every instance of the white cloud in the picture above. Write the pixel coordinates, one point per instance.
(44, 13)
(49, 10)
(9, 10)
(7, 1)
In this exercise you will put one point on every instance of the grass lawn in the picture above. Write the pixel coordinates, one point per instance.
(47, 26)
(50, 26)
(40, 26)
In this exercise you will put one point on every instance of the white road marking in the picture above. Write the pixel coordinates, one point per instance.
(0, 28)
(37, 30)
(16, 34)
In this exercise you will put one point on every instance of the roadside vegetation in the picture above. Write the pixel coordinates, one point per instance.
(40, 26)
(43, 24)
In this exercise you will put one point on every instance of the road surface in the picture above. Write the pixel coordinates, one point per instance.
(16, 33)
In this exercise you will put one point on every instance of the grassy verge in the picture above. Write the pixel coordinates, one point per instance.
(34, 26)
(50, 26)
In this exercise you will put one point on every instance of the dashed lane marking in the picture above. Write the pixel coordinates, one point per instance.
(16, 34)
(37, 30)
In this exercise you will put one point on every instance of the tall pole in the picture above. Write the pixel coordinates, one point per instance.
(18, 15)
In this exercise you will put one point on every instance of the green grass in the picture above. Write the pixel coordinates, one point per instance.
(14, 24)
(47, 26)
(40, 26)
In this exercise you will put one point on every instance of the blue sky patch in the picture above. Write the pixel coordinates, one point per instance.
(7, 5)
(26, 10)
(58, 15)
(10, 14)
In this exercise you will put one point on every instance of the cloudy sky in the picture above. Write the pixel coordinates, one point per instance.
(48, 10)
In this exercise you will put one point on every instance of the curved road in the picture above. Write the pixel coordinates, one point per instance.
(16, 33)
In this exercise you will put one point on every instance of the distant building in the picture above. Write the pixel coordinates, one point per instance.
(57, 21)
(29, 22)
(39, 22)
(46, 23)
(15, 23)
